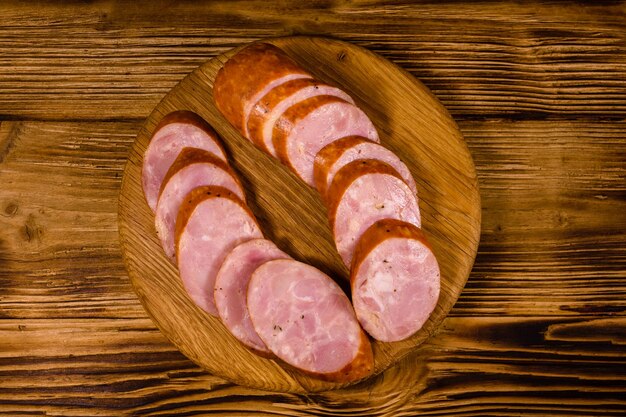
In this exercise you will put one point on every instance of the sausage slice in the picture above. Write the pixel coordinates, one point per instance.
(395, 280)
(211, 222)
(363, 192)
(193, 168)
(309, 125)
(248, 76)
(267, 110)
(339, 153)
(231, 286)
(177, 130)
(306, 320)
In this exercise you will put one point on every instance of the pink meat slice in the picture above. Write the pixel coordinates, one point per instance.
(214, 228)
(395, 281)
(367, 199)
(178, 186)
(370, 150)
(163, 149)
(318, 89)
(231, 287)
(303, 316)
(249, 104)
(398, 287)
(319, 128)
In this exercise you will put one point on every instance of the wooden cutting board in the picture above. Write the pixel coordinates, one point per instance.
(410, 121)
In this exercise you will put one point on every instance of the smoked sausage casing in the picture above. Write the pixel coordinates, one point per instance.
(248, 76)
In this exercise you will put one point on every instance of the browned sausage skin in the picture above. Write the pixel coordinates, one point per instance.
(327, 156)
(189, 156)
(187, 117)
(177, 130)
(360, 367)
(195, 197)
(237, 89)
(381, 231)
(266, 111)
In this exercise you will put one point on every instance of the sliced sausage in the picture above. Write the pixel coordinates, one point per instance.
(177, 130)
(306, 320)
(363, 192)
(309, 125)
(193, 168)
(231, 286)
(248, 76)
(395, 280)
(211, 222)
(267, 110)
(339, 153)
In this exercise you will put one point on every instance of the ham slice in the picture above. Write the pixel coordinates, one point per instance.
(305, 319)
(339, 153)
(395, 280)
(231, 286)
(266, 111)
(211, 222)
(363, 192)
(309, 125)
(177, 130)
(193, 168)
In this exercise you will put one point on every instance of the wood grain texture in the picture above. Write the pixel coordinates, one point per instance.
(110, 60)
(411, 123)
(537, 89)
(74, 339)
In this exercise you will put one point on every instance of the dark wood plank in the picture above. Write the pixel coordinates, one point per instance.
(473, 366)
(109, 60)
(539, 330)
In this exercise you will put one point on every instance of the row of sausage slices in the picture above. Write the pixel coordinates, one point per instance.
(273, 304)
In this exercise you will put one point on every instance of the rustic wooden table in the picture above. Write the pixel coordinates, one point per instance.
(539, 91)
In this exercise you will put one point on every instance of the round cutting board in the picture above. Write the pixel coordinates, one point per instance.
(410, 121)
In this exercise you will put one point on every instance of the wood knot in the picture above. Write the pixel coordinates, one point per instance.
(10, 210)
(31, 230)
(341, 56)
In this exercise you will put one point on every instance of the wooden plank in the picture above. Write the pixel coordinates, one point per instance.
(58, 213)
(111, 60)
(472, 366)
(554, 226)
(539, 329)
